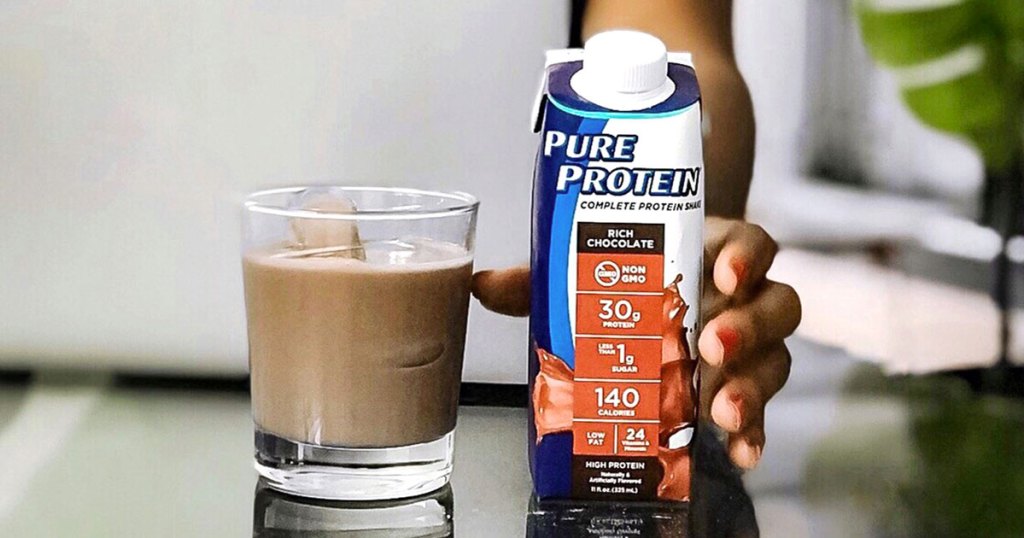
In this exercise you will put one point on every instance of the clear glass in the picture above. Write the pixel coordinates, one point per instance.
(356, 300)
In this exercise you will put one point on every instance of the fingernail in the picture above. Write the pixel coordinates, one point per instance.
(734, 406)
(739, 269)
(751, 455)
(729, 339)
(755, 455)
(710, 347)
(726, 413)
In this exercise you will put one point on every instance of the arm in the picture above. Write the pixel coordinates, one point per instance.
(747, 317)
(704, 28)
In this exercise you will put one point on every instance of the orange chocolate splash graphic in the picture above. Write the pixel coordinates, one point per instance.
(553, 397)
(673, 308)
(678, 397)
(675, 483)
(677, 366)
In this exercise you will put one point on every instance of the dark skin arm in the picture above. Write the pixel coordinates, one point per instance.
(746, 316)
(704, 28)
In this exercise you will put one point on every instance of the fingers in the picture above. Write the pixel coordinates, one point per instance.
(745, 449)
(742, 254)
(750, 318)
(738, 406)
(747, 343)
(745, 330)
(505, 291)
(739, 403)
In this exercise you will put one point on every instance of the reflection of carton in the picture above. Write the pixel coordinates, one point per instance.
(555, 518)
(616, 267)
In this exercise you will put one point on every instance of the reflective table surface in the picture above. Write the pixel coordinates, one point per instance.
(850, 453)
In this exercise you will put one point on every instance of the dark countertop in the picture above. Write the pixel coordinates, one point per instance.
(851, 453)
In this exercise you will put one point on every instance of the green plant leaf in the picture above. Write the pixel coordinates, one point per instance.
(900, 38)
(1011, 16)
(960, 66)
(961, 105)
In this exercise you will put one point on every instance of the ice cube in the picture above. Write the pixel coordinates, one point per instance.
(326, 236)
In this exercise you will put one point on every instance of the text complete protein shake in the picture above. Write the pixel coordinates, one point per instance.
(616, 271)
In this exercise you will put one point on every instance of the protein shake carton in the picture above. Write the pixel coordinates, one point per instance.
(616, 271)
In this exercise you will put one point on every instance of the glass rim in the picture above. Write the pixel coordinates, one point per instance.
(463, 203)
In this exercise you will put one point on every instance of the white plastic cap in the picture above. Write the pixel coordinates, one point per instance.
(624, 70)
(626, 61)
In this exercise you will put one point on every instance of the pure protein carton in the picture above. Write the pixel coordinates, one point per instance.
(617, 243)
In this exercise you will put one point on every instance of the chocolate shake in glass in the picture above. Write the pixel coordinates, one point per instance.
(356, 300)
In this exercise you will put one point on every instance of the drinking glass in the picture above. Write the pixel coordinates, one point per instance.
(356, 302)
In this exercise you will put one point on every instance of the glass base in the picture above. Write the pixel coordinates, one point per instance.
(353, 474)
(277, 514)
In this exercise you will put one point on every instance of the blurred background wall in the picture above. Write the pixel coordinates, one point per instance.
(131, 131)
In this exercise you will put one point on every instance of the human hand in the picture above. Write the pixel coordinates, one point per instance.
(746, 318)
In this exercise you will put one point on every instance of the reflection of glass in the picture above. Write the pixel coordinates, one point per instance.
(280, 515)
(356, 300)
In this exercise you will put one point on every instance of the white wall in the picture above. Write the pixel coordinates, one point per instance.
(821, 100)
(771, 49)
(131, 130)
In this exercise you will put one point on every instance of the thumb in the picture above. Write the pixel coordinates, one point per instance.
(505, 291)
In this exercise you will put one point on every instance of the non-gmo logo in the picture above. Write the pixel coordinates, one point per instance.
(607, 274)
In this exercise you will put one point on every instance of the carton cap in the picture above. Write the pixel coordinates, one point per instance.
(624, 70)
(626, 61)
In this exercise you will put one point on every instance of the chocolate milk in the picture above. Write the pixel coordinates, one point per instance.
(347, 352)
